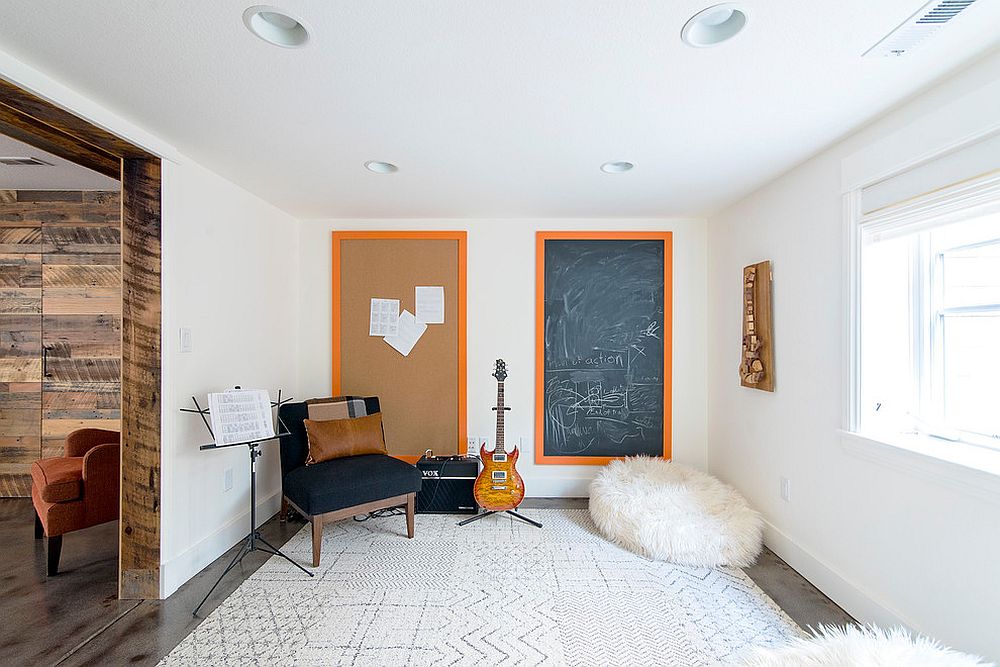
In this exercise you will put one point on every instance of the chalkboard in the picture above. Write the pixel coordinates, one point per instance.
(605, 338)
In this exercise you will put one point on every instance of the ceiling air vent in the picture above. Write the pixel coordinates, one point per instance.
(913, 31)
(24, 162)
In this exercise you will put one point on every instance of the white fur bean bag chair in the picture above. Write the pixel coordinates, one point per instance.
(861, 647)
(668, 511)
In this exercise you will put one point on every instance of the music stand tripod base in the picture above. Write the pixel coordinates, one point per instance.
(253, 541)
(514, 514)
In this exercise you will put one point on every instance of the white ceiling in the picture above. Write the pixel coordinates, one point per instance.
(491, 108)
(62, 175)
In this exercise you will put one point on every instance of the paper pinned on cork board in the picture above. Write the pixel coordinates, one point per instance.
(384, 318)
(410, 332)
(430, 305)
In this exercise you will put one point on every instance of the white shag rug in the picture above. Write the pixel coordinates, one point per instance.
(861, 647)
(495, 592)
(668, 511)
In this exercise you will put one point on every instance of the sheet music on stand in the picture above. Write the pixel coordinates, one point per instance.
(240, 415)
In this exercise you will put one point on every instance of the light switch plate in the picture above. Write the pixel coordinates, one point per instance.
(186, 339)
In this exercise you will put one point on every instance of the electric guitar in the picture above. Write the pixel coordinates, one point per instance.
(499, 487)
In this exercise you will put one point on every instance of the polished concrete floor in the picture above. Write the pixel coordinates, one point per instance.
(75, 618)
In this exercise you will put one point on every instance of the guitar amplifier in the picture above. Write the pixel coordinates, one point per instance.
(447, 485)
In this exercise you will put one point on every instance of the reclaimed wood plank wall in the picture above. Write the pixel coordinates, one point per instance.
(21, 340)
(60, 323)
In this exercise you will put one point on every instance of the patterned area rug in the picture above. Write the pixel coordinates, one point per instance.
(495, 592)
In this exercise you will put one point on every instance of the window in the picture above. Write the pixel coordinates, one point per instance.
(929, 322)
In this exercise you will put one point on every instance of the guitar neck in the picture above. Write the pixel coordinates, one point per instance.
(500, 446)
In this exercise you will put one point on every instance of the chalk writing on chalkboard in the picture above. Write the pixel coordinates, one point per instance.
(604, 347)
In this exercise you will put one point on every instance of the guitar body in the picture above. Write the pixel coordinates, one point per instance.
(499, 487)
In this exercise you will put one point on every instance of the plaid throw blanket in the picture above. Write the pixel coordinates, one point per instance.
(336, 407)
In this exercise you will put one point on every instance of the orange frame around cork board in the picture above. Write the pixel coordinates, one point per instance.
(666, 333)
(423, 395)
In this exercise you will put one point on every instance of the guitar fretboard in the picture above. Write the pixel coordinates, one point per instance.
(500, 446)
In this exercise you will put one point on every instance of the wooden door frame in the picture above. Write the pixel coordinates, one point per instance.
(29, 118)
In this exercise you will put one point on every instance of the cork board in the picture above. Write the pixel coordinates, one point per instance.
(757, 359)
(422, 395)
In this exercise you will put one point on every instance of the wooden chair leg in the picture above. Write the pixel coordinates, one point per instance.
(317, 522)
(55, 548)
(411, 507)
(39, 530)
(283, 517)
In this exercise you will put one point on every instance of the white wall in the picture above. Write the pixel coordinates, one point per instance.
(228, 274)
(890, 536)
(501, 323)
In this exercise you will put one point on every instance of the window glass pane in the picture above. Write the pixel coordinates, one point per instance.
(887, 391)
(972, 276)
(965, 232)
(930, 329)
(972, 373)
(969, 253)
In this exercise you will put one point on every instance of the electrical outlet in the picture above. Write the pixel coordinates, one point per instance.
(472, 446)
(786, 489)
(227, 480)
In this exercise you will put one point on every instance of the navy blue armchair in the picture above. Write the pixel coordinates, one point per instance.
(345, 487)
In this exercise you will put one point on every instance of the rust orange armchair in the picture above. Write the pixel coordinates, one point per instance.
(77, 490)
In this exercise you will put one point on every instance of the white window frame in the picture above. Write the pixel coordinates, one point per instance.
(979, 196)
(935, 322)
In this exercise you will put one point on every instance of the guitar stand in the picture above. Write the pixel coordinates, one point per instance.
(514, 514)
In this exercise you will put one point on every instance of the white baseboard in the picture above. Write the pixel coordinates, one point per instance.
(194, 559)
(855, 601)
(557, 487)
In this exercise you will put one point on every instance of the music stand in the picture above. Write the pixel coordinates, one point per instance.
(250, 542)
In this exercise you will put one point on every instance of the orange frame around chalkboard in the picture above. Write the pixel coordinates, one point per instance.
(541, 238)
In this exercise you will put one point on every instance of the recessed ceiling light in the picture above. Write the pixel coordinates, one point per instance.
(616, 167)
(381, 167)
(714, 25)
(275, 26)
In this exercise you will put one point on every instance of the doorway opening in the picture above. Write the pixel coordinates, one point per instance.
(27, 118)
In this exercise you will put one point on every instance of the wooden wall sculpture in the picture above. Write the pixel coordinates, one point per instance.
(757, 364)
(60, 323)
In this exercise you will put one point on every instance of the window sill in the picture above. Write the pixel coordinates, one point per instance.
(968, 468)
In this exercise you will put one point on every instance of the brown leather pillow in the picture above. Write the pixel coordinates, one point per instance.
(337, 438)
